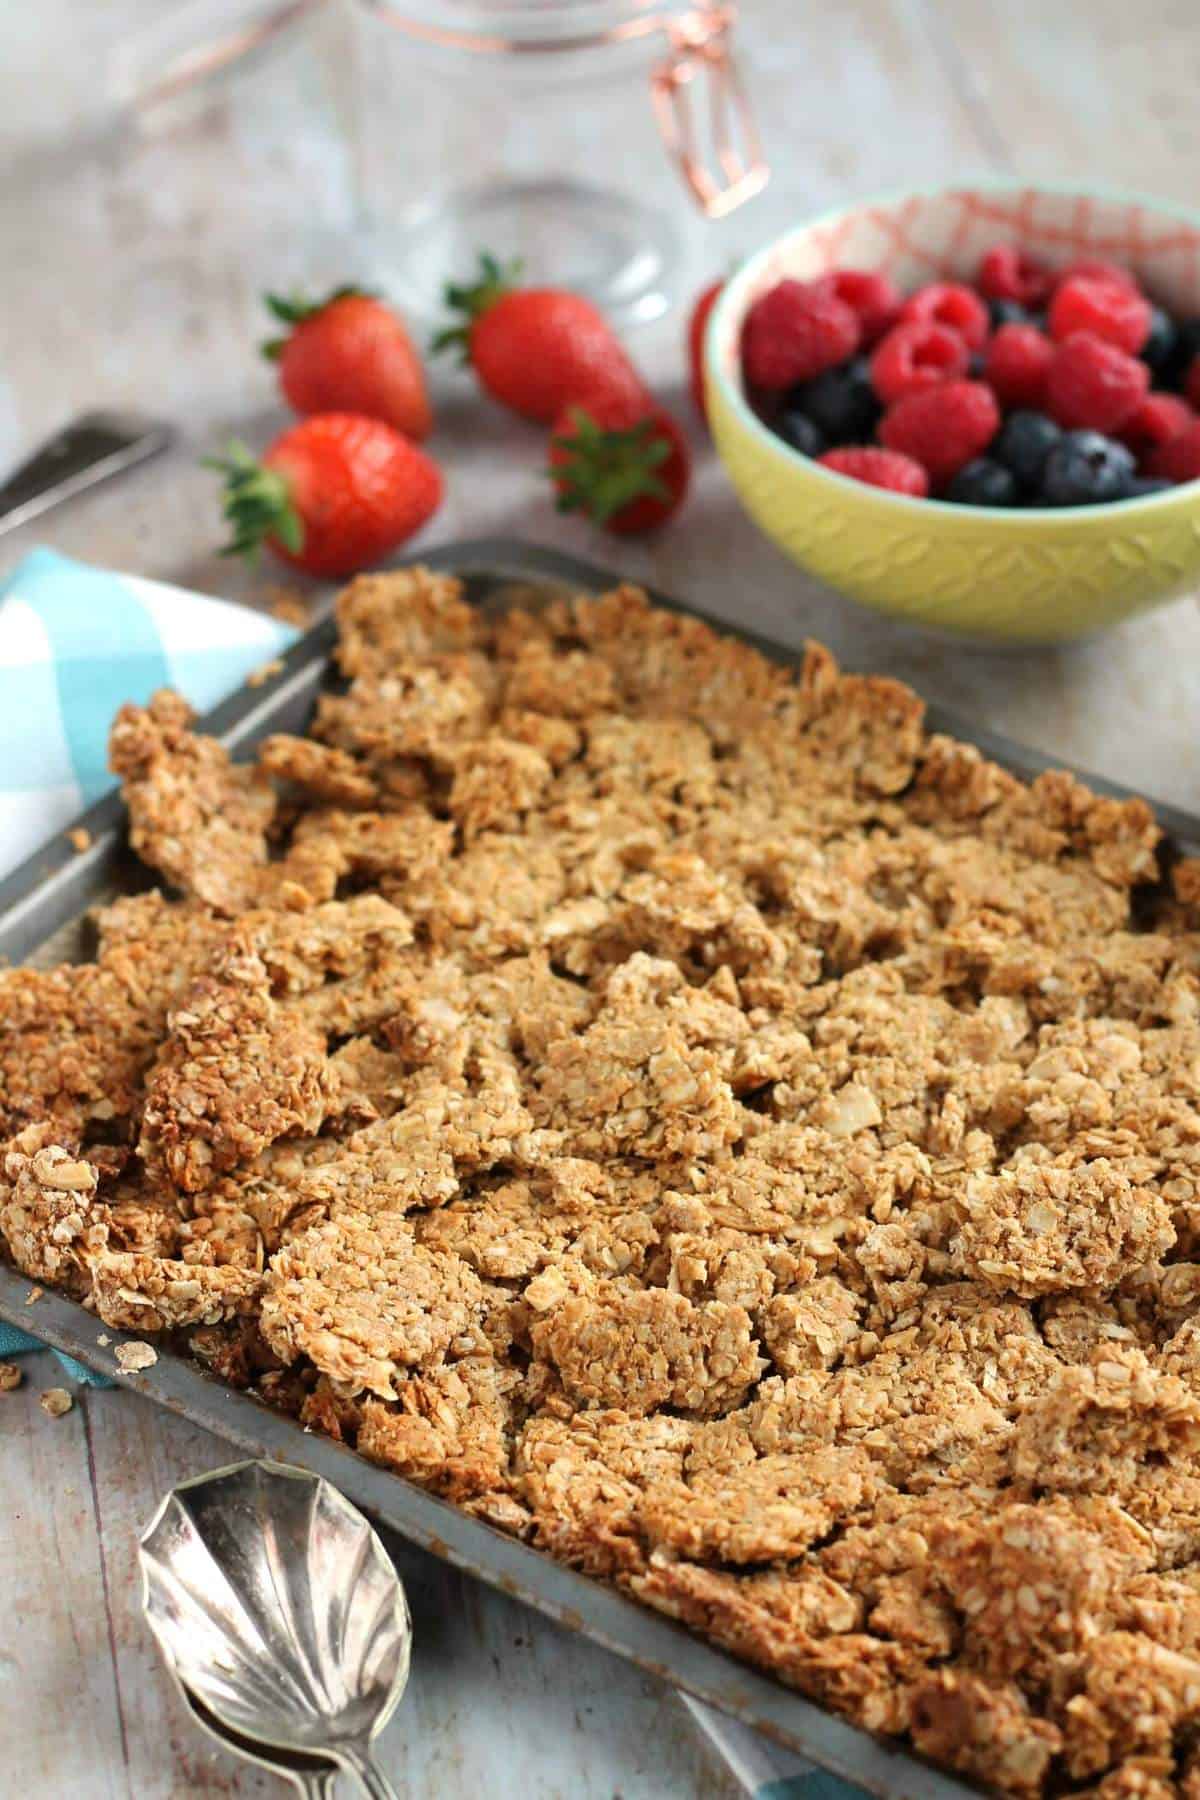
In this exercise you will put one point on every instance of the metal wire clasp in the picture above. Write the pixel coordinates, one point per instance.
(731, 168)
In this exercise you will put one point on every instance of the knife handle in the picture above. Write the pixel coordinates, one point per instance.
(90, 449)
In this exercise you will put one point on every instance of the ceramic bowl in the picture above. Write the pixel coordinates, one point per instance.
(1033, 576)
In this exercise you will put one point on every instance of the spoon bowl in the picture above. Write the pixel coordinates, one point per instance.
(314, 1776)
(278, 1609)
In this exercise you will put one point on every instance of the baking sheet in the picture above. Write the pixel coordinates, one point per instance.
(41, 909)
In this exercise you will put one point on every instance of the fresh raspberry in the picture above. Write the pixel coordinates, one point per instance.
(1158, 419)
(1118, 315)
(943, 428)
(1006, 273)
(1180, 459)
(795, 332)
(1191, 382)
(1095, 269)
(951, 304)
(1093, 384)
(879, 468)
(1016, 364)
(874, 297)
(916, 356)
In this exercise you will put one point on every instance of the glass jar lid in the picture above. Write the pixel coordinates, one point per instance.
(696, 58)
(501, 26)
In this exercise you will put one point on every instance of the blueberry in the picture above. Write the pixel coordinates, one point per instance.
(1008, 312)
(1022, 445)
(1142, 486)
(798, 430)
(1186, 350)
(841, 403)
(983, 483)
(1085, 468)
(1162, 343)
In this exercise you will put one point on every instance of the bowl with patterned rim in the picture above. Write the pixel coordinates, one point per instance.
(1033, 575)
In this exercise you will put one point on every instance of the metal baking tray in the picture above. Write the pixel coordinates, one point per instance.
(42, 905)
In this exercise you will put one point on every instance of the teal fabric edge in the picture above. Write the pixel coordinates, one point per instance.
(19, 1343)
(104, 647)
(816, 1785)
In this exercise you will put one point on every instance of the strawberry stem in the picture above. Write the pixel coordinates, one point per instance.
(292, 310)
(472, 300)
(257, 504)
(599, 471)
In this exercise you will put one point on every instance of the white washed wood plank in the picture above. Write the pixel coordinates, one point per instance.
(1104, 92)
(61, 1725)
(138, 1453)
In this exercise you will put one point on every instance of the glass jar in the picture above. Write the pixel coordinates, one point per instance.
(589, 139)
(263, 90)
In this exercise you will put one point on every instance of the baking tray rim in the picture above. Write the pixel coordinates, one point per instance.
(598, 1611)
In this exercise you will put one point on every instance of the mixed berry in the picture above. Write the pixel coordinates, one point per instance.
(1032, 387)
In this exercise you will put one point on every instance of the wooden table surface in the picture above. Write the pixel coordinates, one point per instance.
(132, 275)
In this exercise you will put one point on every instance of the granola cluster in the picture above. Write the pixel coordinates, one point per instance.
(690, 1117)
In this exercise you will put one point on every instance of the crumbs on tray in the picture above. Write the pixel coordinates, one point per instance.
(690, 1117)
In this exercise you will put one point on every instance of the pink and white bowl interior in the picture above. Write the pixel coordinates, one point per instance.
(944, 236)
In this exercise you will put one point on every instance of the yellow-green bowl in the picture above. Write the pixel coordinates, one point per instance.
(1028, 576)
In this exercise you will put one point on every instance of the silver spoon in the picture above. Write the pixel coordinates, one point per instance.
(315, 1778)
(277, 1607)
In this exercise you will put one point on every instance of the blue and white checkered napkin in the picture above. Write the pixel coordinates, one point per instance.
(763, 1770)
(75, 642)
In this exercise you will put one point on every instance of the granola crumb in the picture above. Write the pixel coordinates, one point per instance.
(288, 605)
(132, 1357)
(34, 1295)
(10, 1377)
(104, 1340)
(259, 677)
(55, 1401)
(80, 838)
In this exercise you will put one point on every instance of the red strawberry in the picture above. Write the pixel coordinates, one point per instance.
(333, 495)
(535, 349)
(624, 463)
(695, 343)
(350, 353)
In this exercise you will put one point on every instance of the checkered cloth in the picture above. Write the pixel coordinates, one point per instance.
(762, 1769)
(75, 642)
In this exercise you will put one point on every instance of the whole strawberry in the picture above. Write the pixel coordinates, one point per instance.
(623, 462)
(697, 324)
(350, 353)
(335, 494)
(535, 349)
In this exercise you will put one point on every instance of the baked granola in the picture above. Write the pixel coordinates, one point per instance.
(688, 1116)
